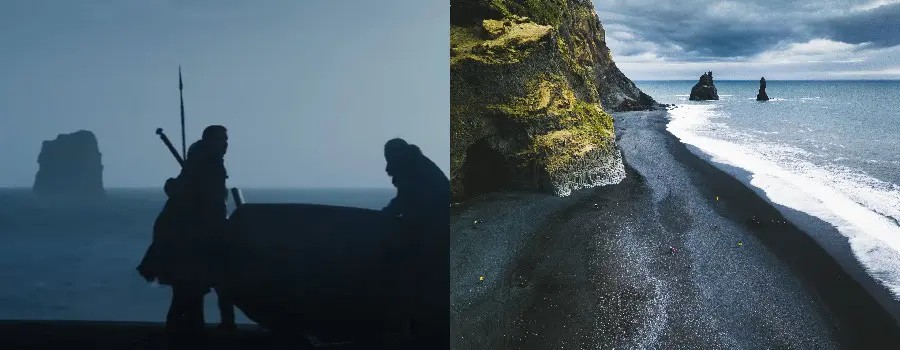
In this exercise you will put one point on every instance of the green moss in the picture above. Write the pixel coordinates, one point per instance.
(584, 128)
(494, 28)
(545, 95)
(567, 128)
(500, 5)
(562, 46)
(546, 12)
(462, 40)
(508, 41)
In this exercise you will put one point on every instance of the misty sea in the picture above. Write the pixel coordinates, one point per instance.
(829, 149)
(76, 260)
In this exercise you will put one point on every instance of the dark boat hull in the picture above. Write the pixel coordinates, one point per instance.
(316, 267)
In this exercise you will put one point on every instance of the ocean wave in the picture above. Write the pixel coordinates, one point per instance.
(863, 209)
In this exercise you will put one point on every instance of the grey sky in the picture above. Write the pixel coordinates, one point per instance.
(310, 90)
(780, 39)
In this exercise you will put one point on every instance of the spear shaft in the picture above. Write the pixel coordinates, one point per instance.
(181, 97)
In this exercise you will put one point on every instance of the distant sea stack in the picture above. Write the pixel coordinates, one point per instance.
(70, 165)
(530, 86)
(705, 89)
(761, 96)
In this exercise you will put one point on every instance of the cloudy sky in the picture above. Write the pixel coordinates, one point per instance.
(310, 90)
(781, 39)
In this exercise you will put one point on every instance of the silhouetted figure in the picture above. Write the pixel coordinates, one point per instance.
(422, 202)
(762, 96)
(187, 245)
(420, 183)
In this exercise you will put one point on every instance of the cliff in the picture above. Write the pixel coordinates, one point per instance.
(70, 164)
(530, 86)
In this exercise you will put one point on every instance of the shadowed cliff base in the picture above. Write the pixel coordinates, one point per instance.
(485, 170)
(598, 269)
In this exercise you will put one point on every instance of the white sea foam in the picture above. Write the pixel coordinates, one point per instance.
(862, 208)
(774, 99)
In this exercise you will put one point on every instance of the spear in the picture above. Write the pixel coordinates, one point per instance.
(181, 97)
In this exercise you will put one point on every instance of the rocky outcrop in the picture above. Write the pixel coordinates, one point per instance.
(705, 89)
(762, 96)
(70, 165)
(530, 86)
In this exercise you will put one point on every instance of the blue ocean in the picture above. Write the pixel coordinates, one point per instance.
(75, 260)
(829, 149)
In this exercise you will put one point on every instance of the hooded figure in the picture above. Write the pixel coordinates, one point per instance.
(422, 204)
(186, 235)
(422, 188)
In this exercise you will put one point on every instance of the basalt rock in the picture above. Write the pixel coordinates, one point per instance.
(530, 86)
(762, 96)
(705, 89)
(70, 165)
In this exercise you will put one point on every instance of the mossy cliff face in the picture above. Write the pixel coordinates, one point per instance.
(530, 83)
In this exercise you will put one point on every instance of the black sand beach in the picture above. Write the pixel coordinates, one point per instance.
(595, 270)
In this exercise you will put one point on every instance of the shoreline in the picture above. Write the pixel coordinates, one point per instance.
(825, 235)
(595, 268)
(854, 282)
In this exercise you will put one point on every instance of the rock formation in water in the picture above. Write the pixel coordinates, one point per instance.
(761, 96)
(530, 86)
(705, 89)
(70, 165)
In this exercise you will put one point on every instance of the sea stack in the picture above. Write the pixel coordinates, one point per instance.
(761, 96)
(531, 88)
(70, 165)
(705, 89)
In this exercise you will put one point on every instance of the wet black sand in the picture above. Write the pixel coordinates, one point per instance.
(595, 270)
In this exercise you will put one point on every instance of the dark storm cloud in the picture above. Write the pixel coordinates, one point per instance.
(879, 26)
(699, 30)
